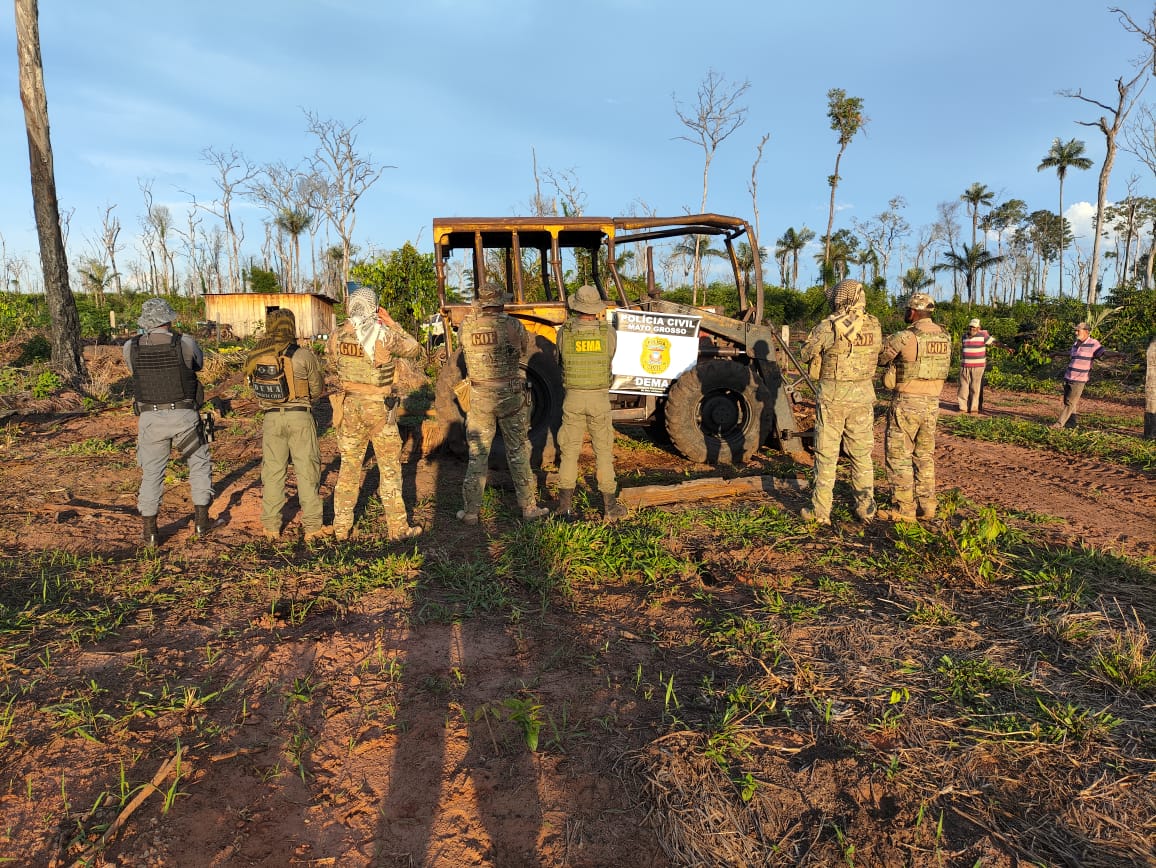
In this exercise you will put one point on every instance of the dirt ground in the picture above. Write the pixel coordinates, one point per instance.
(386, 732)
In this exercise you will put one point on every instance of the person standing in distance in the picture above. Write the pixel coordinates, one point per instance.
(494, 344)
(922, 356)
(364, 350)
(844, 348)
(972, 365)
(586, 345)
(1085, 350)
(168, 396)
(288, 432)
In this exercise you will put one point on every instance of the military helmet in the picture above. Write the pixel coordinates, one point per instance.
(362, 303)
(844, 294)
(921, 301)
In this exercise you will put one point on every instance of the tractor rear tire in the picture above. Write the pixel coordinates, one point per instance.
(719, 413)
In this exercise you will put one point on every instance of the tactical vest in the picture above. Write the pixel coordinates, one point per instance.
(159, 373)
(353, 365)
(932, 357)
(585, 355)
(853, 362)
(486, 344)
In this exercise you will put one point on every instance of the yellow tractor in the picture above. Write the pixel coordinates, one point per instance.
(735, 388)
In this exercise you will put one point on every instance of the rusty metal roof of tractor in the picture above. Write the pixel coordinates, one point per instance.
(538, 232)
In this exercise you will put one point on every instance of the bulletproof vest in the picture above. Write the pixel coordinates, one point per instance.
(852, 362)
(932, 357)
(159, 373)
(585, 355)
(353, 365)
(271, 375)
(486, 344)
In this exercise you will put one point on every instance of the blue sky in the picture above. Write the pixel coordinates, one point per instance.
(456, 94)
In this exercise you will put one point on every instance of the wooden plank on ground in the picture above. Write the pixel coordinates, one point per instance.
(706, 489)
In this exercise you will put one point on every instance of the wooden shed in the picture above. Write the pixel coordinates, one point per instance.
(244, 312)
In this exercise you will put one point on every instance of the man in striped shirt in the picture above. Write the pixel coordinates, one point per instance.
(1084, 350)
(972, 364)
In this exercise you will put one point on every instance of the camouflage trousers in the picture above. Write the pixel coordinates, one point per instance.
(290, 437)
(910, 449)
(846, 424)
(505, 407)
(587, 410)
(366, 420)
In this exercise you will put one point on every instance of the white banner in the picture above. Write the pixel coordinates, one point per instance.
(654, 349)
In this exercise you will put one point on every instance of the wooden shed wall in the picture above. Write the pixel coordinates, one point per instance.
(244, 312)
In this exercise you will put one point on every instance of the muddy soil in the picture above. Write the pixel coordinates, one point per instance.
(414, 756)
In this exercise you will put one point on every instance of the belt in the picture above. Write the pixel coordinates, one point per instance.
(493, 383)
(187, 404)
(286, 409)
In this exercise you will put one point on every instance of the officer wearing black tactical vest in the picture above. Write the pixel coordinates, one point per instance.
(168, 395)
(494, 344)
(586, 346)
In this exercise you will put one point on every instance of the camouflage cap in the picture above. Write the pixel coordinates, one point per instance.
(491, 295)
(920, 301)
(156, 312)
(362, 303)
(844, 294)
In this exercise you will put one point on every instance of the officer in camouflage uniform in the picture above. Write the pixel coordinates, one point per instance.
(586, 346)
(363, 350)
(844, 348)
(922, 356)
(494, 344)
(288, 432)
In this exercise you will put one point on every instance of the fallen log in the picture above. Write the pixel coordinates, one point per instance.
(706, 489)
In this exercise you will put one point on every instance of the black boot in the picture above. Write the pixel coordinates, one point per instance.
(201, 523)
(148, 535)
(611, 508)
(565, 507)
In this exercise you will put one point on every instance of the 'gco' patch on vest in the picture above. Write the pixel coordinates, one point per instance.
(350, 349)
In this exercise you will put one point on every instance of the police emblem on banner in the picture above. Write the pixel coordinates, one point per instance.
(655, 354)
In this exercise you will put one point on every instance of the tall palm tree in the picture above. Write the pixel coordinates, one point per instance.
(1061, 157)
(969, 263)
(916, 280)
(975, 195)
(294, 221)
(792, 244)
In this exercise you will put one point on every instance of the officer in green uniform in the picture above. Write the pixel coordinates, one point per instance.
(842, 350)
(288, 432)
(586, 346)
(364, 350)
(494, 344)
(922, 356)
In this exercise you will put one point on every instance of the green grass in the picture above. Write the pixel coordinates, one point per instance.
(1116, 448)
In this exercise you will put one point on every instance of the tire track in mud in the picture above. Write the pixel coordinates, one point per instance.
(1103, 504)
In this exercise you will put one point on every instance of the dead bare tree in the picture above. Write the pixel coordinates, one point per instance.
(753, 187)
(1126, 97)
(109, 236)
(234, 172)
(65, 330)
(157, 224)
(540, 206)
(713, 119)
(345, 175)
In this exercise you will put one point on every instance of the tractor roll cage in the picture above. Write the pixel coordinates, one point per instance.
(550, 235)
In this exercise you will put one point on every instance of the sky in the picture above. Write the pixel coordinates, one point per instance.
(458, 96)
